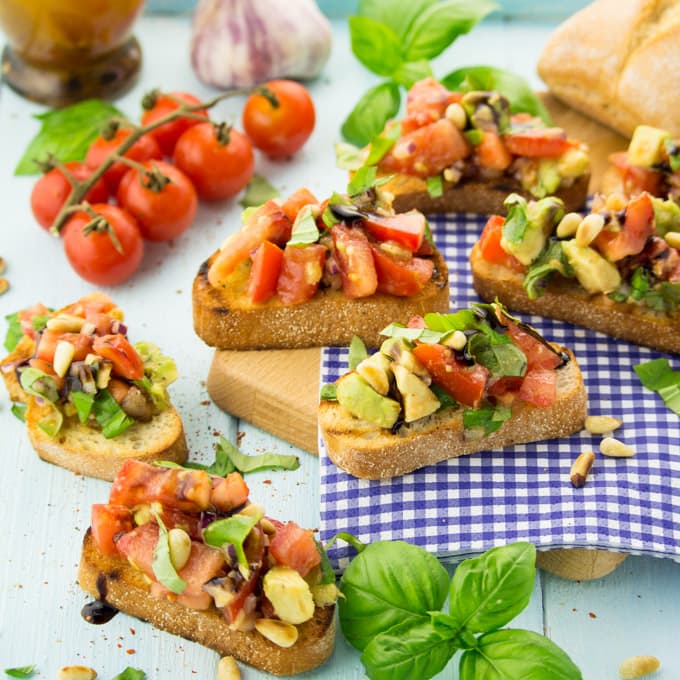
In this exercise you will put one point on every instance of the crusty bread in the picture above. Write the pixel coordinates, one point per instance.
(115, 581)
(613, 60)
(472, 196)
(365, 450)
(566, 300)
(86, 451)
(225, 318)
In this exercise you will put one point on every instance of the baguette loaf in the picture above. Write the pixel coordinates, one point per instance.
(225, 318)
(566, 300)
(613, 60)
(114, 581)
(367, 451)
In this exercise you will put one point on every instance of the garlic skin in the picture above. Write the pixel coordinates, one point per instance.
(241, 43)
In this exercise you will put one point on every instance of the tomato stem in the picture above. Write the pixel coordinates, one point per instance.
(101, 225)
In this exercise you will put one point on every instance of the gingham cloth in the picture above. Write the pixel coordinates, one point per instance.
(467, 505)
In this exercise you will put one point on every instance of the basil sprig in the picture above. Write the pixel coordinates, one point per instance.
(658, 376)
(163, 568)
(394, 593)
(131, 674)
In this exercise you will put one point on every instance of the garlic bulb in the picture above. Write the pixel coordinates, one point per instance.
(240, 43)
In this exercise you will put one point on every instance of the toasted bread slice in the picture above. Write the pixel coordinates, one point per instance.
(365, 450)
(225, 318)
(568, 301)
(472, 196)
(115, 581)
(86, 451)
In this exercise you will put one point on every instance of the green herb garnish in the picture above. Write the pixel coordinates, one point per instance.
(232, 530)
(162, 565)
(258, 192)
(305, 230)
(131, 674)
(658, 376)
(20, 671)
(110, 416)
(435, 186)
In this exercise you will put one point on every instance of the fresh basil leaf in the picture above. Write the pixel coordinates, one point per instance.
(639, 284)
(462, 320)
(327, 573)
(363, 179)
(329, 392)
(221, 466)
(258, 191)
(410, 72)
(664, 297)
(673, 151)
(233, 530)
(388, 583)
(375, 45)
(475, 137)
(436, 27)
(83, 403)
(502, 359)
(396, 14)
(445, 399)
(381, 144)
(265, 461)
(515, 88)
(551, 260)
(357, 352)
(66, 133)
(304, 230)
(413, 649)
(397, 330)
(51, 424)
(348, 156)
(516, 655)
(371, 113)
(658, 376)
(20, 671)
(38, 384)
(517, 221)
(435, 186)
(14, 332)
(162, 565)
(488, 418)
(131, 674)
(110, 416)
(490, 590)
(19, 411)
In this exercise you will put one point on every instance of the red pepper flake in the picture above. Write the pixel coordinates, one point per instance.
(205, 402)
(216, 433)
(130, 651)
(591, 615)
(133, 631)
(266, 481)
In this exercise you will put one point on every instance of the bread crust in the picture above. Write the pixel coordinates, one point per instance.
(473, 196)
(367, 451)
(113, 580)
(566, 300)
(226, 319)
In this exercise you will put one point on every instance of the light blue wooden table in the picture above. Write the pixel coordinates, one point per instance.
(634, 610)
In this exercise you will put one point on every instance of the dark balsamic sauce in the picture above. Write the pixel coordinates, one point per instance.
(98, 612)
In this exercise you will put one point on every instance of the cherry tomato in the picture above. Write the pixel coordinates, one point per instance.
(301, 271)
(264, 274)
(109, 522)
(400, 276)
(490, 245)
(297, 201)
(219, 163)
(144, 149)
(53, 188)
(167, 134)
(538, 142)
(283, 130)
(355, 259)
(110, 252)
(295, 547)
(163, 211)
(117, 349)
(407, 229)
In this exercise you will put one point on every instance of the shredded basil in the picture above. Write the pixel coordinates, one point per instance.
(83, 404)
(19, 411)
(232, 530)
(14, 332)
(363, 180)
(38, 384)
(162, 565)
(475, 137)
(305, 230)
(329, 392)
(131, 674)
(517, 221)
(52, 423)
(552, 259)
(381, 144)
(258, 192)
(348, 156)
(357, 352)
(490, 418)
(435, 186)
(110, 416)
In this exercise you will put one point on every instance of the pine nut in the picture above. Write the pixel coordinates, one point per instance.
(673, 239)
(227, 669)
(76, 673)
(279, 632)
(63, 356)
(179, 542)
(588, 230)
(456, 114)
(602, 424)
(614, 448)
(637, 666)
(568, 225)
(457, 340)
(581, 468)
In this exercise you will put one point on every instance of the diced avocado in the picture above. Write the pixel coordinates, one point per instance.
(666, 215)
(593, 272)
(548, 178)
(418, 399)
(159, 371)
(362, 401)
(376, 371)
(573, 163)
(487, 110)
(399, 350)
(647, 145)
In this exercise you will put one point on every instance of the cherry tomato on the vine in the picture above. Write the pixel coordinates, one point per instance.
(219, 161)
(283, 130)
(167, 134)
(144, 149)
(107, 253)
(51, 191)
(163, 201)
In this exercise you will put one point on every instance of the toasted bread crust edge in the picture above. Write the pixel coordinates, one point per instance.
(473, 196)
(329, 318)
(366, 451)
(567, 301)
(115, 581)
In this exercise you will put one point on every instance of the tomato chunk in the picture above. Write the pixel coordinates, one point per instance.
(26, 317)
(355, 259)
(492, 152)
(537, 354)
(301, 270)
(296, 201)
(229, 493)
(490, 245)
(265, 271)
(295, 547)
(636, 179)
(539, 388)
(538, 142)
(400, 277)
(110, 522)
(426, 102)
(465, 384)
(125, 359)
(407, 229)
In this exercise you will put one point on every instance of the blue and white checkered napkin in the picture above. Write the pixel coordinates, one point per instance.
(467, 505)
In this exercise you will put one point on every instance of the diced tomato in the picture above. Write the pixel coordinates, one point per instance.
(490, 245)
(268, 223)
(301, 271)
(96, 302)
(400, 277)
(504, 389)
(636, 179)
(407, 229)
(294, 547)
(190, 522)
(491, 152)
(82, 344)
(538, 142)
(523, 118)
(465, 384)
(245, 591)
(539, 387)
(355, 259)
(47, 345)
(110, 522)
(637, 228)
(26, 318)
(101, 320)
(125, 359)
(427, 151)
(537, 354)
(265, 271)
(296, 201)
(229, 493)
(138, 483)
(426, 102)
